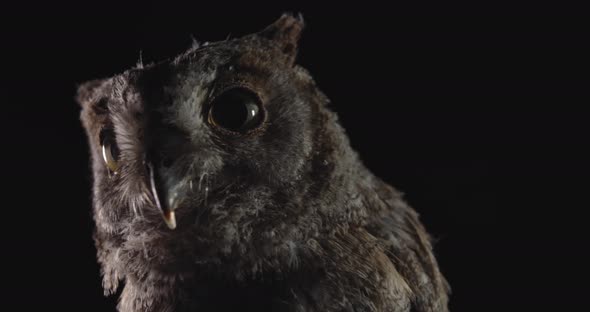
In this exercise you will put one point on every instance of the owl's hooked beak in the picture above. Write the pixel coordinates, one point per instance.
(167, 211)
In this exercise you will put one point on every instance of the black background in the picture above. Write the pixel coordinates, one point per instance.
(477, 113)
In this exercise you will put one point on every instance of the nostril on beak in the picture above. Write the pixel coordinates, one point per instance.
(165, 145)
(166, 161)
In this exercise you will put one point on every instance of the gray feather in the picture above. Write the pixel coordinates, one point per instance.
(283, 217)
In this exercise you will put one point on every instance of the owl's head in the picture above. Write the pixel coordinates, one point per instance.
(227, 150)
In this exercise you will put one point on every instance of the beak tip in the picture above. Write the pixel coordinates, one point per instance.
(170, 219)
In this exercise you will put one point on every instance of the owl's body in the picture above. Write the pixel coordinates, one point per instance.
(222, 183)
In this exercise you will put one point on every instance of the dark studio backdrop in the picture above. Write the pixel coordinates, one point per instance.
(476, 113)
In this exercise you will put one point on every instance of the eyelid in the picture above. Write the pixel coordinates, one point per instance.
(221, 88)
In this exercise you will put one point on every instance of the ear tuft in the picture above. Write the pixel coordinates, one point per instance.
(285, 32)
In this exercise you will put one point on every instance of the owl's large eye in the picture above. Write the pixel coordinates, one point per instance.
(236, 110)
(110, 150)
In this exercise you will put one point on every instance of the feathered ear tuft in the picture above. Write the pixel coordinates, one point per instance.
(285, 32)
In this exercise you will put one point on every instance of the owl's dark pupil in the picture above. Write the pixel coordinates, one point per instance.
(107, 138)
(236, 110)
(114, 149)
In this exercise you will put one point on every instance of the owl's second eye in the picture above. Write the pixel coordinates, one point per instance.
(236, 110)
(109, 149)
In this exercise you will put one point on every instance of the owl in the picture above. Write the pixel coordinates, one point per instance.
(222, 182)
